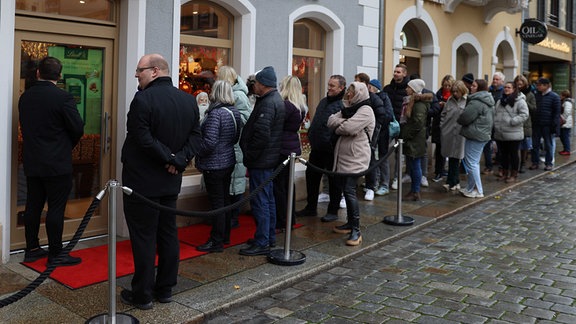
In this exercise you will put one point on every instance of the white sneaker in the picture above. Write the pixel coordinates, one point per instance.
(369, 196)
(342, 203)
(424, 182)
(394, 185)
(406, 179)
(471, 194)
(382, 191)
(323, 197)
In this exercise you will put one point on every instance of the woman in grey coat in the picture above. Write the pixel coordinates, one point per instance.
(452, 142)
(510, 114)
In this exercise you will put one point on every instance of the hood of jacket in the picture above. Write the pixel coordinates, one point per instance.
(482, 96)
(240, 85)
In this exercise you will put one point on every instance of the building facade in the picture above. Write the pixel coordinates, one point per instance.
(100, 42)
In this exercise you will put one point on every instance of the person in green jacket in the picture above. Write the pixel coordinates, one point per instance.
(477, 120)
(413, 132)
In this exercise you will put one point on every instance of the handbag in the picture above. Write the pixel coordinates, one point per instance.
(394, 127)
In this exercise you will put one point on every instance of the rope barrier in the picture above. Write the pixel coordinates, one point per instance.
(332, 173)
(65, 251)
(211, 213)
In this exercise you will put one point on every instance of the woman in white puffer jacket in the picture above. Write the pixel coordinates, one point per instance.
(509, 116)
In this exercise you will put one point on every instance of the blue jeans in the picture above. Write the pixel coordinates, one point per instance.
(415, 172)
(542, 132)
(263, 207)
(472, 154)
(565, 138)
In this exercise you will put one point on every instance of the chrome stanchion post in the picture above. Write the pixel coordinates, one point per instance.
(398, 219)
(112, 317)
(286, 256)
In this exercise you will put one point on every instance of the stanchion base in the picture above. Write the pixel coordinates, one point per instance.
(395, 220)
(121, 318)
(277, 257)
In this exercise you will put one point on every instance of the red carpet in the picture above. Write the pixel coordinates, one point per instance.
(94, 266)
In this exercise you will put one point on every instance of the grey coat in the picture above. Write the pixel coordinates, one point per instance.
(452, 142)
(509, 120)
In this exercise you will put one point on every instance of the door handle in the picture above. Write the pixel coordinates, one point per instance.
(106, 138)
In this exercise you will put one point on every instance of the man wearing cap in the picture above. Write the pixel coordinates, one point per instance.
(260, 143)
(468, 79)
(544, 123)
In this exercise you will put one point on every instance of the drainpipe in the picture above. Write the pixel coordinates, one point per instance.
(380, 40)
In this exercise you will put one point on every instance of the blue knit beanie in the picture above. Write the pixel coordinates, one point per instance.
(376, 84)
(267, 77)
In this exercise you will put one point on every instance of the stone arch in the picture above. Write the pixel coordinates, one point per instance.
(429, 46)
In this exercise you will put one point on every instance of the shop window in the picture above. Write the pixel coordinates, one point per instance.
(87, 9)
(308, 65)
(205, 45)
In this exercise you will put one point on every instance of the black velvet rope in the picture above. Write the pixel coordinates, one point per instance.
(65, 251)
(381, 160)
(210, 213)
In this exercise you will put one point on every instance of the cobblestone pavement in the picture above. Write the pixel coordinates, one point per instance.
(509, 259)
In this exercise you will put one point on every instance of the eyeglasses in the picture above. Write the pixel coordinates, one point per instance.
(140, 70)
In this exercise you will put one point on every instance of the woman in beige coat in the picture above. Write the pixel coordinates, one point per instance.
(354, 126)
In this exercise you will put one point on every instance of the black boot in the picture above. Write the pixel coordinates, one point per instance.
(355, 237)
(343, 229)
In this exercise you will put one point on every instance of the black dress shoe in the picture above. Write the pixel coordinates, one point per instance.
(329, 218)
(343, 229)
(210, 246)
(63, 260)
(164, 299)
(251, 241)
(306, 213)
(255, 250)
(127, 297)
(33, 255)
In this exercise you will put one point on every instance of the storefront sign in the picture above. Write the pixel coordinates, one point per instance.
(532, 31)
(552, 44)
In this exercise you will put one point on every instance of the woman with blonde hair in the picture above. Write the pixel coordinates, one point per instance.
(296, 109)
(241, 102)
(216, 159)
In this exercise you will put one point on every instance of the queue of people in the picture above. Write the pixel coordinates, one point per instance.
(247, 129)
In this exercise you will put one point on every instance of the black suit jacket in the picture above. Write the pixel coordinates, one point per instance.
(51, 127)
(162, 121)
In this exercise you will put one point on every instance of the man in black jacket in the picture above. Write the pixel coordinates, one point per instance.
(545, 123)
(51, 127)
(163, 136)
(322, 151)
(396, 91)
(261, 142)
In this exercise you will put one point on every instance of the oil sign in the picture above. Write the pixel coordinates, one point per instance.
(532, 31)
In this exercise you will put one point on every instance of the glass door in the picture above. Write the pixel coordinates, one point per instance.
(87, 75)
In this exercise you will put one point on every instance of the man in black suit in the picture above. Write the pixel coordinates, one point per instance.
(163, 136)
(51, 127)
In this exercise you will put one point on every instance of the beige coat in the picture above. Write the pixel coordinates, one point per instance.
(352, 150)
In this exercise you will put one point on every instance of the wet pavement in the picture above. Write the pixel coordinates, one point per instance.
(507, 257)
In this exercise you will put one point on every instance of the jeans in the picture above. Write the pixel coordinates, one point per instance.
(263, 207)
(472, 154)
(542, 132)
(415, 172)
(53, 190)
(218, 187)
(565, 138)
